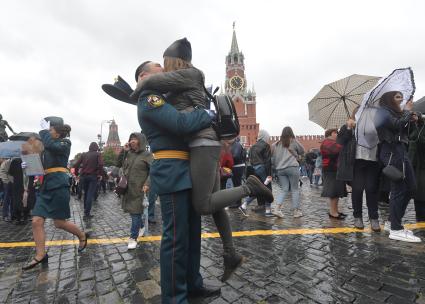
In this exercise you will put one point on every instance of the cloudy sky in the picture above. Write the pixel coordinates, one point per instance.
(54, 55)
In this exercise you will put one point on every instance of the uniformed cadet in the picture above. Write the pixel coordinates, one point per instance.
(53, 201)
(165, 127)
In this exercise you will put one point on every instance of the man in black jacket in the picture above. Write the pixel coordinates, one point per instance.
(91, 164)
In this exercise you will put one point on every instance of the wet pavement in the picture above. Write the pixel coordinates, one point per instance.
(307, 265)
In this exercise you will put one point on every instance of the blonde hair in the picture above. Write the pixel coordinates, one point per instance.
(174, 64)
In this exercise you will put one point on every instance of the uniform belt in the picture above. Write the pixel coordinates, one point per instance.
(163, 154)
(55, 169)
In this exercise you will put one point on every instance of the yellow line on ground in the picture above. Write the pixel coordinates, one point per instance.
(248, 233)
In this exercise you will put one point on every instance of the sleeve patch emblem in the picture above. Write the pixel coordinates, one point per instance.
(155, 101)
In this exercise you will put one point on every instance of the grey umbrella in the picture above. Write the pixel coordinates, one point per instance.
(9, 149)
(335, 102)
(24, 136)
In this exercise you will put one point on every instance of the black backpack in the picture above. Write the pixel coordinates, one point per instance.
(227, 124)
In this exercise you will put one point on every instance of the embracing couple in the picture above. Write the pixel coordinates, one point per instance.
(185, 172)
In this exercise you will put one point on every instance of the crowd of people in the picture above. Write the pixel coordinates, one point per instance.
(181, 159)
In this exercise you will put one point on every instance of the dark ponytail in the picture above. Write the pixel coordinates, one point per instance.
(63, 131)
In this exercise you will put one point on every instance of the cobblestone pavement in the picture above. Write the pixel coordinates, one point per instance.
(305, 267)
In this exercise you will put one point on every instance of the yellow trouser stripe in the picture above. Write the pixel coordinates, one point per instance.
(301, 231)
(171, 154)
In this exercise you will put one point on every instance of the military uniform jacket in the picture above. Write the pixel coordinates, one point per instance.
(56, 154)
(164, 128)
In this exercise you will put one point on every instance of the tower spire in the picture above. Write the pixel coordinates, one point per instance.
(234, 48)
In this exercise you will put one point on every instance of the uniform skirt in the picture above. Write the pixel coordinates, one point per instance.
(332, 187)
(53, 204)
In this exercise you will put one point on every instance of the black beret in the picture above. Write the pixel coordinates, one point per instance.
(120, 90)
(55, 121)
(180, 49)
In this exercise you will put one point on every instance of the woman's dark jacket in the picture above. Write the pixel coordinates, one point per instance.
(392, 126)
(347, 155)
(184, 89)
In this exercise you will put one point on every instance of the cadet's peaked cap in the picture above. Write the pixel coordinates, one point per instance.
(54, 121)
(180, 49)
(120, 90)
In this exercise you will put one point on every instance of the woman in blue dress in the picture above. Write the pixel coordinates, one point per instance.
(53, 201)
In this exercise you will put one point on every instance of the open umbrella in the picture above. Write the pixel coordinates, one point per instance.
(9, 149)
(334, 103)
(24, 136)
(401, 80)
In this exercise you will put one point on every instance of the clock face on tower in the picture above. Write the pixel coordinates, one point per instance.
(236, 82)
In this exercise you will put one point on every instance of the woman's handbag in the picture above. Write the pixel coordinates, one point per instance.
(122, 186)
(392, 173)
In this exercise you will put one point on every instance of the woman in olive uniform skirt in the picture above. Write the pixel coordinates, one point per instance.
(53, 201)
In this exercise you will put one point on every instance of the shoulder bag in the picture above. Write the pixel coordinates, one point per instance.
(392, 173)
(122, 185)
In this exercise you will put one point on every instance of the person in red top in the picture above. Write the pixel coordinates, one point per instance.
(332, 188)
(226, 164)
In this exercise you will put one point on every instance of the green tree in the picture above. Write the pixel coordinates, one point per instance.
(76, 157)
(109, 157)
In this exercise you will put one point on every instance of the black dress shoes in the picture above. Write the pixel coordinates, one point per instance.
(231, 263)
(80, 249)
(35, 262)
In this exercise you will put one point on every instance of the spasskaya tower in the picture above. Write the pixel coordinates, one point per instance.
(243, 98)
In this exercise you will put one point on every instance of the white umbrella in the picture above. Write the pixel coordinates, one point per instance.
(334, 103)
(401, 80)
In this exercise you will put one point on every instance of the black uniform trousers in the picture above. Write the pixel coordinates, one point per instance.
(180, 247)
